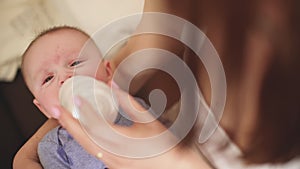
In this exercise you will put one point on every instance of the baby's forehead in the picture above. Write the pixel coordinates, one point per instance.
(51, 46)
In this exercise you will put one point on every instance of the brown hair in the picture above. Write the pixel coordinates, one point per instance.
(276, 135)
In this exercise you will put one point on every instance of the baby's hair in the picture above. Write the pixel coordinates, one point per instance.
(48, 31)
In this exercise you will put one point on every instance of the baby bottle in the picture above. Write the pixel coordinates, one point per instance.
(96, 93)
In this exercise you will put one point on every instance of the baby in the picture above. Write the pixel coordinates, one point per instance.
(50, 59)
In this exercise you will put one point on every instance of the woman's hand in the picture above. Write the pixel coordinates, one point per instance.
(172, 157)
(137, 130)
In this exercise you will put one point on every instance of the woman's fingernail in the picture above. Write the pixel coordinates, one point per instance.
(114, 85)
(55, 112)
(77, 101)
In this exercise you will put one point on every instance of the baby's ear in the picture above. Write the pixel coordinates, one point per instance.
(40, 107)
(108, 69)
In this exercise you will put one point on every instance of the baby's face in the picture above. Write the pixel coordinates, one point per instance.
(52, 59)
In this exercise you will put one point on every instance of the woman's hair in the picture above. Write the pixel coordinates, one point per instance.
(277, 134)
(277, 138)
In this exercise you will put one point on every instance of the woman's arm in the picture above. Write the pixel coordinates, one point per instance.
(135, 43)
(146, 41)
(176, 157)
(27, 157)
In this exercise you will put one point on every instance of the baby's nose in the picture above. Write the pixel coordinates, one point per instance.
(64, 79)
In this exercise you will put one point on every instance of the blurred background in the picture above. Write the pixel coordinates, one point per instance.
(21, 21)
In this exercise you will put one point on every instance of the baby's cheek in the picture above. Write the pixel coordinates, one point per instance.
(51, 100)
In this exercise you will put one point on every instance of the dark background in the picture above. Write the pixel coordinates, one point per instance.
(19, 118)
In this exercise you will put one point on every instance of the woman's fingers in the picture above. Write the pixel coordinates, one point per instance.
(132, 108)
(145, 124)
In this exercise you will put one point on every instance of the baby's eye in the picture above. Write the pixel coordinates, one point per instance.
(75, 63)
(47, 79)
